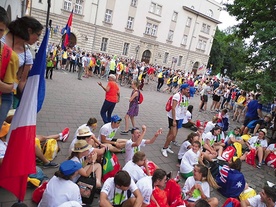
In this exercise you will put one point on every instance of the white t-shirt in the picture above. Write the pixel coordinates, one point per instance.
(145, 187)
(189, 160)
(209, 126)
(210, 137)
(190, 182)
(187, 117)
(107, 131)
(183, 149)
(256, 201)
(135, 172)
(112, 192)
(181, 107)
(253, 142)
(70, 204)
(271, 147)
(3, 148)
(130, 151)
(59, 191)
(81, 161)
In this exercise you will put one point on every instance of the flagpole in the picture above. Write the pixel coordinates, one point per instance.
(48, 14)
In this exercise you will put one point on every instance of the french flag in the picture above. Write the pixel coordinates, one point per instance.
(68, 31)
(19, 160)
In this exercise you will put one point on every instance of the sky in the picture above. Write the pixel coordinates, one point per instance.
(226, 20)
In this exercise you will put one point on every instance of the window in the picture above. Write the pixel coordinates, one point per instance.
(179, 60)
(170, 35)
(130, 22)
(189, 21)
(184, 40)
(104, 44)
(125, 49)
(151, 29)
(78, 7)
(205, 28)
(210, 13)
(155, 8)
(108, 16)
(67, 5)
(201, 45)
(174, 16)
(166, 55)
(133, 3)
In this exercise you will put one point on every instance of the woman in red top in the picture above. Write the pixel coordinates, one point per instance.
(112, 96)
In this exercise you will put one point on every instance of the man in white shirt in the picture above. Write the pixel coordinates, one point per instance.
(179, 108)
(266, 198)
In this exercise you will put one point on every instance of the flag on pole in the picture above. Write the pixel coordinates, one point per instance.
(218, 76)
(68, 30)
(201, 67)
(19, 159)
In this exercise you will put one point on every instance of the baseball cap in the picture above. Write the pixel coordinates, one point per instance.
(184, 86)
(115, 118)
(68, 167)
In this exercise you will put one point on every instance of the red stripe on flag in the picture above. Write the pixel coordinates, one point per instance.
(14, 173)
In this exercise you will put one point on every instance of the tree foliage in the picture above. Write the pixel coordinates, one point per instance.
(257, 21)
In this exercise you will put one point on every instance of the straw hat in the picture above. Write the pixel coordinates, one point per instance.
(81, 146)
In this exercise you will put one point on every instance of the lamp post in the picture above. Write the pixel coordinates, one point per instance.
(137, 48)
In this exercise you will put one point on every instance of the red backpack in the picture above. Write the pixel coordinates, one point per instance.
(169, 103)
(141, 98)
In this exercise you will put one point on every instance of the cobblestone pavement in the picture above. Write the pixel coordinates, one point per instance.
(70, 102)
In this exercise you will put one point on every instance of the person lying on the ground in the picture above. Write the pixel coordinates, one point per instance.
(258, 124)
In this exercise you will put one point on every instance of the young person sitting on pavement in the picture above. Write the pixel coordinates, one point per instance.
(115, 192)
(137, 141)
(186, 145)
(61, 188)
(84, 154)
(107, 134)
(233, 136)
(133, 167)
(266, 198)
(187, 121)
(259, 143)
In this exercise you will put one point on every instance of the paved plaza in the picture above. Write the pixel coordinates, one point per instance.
(70, 102)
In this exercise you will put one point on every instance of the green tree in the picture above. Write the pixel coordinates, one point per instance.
(257, 21)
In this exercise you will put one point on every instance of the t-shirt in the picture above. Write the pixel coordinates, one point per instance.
(130, 151)
(183, 149)
(254, 142)
(271, 147)
(111, 95)
(81, 161)
(189, 184)
(181, 106)
(135, 172)
(3, 148)
(188, 161)
(145, 187)
(187, 117)
(256, 201)
(116, 196)
(252, 108)
(107, 131)
(59, 191)
(210, 137)
(209, 126)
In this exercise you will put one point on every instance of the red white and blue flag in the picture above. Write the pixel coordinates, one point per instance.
(19, 159)
(201, 67)
(67, 28)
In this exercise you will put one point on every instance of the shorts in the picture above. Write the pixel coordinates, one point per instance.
(186, 175)
(63, 61)
(247, 120)
(216, 98)
(204, 98)
(171, 122)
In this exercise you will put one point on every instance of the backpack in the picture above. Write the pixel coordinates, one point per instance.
(79, 61)
(169, 103)
(38, 192)
(50, 149)
(141, 98)
(87, 187)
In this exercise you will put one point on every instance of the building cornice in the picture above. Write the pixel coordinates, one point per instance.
(201, 14)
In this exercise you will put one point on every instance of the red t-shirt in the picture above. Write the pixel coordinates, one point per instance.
(111, 95)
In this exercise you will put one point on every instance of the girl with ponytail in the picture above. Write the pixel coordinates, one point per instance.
(198, 186)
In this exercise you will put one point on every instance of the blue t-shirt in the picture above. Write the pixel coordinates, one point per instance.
(252, 108)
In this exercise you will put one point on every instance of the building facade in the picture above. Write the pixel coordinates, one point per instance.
(175, 33)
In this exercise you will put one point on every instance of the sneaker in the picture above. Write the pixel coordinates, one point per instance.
(124, 132)
(259, 165)
(176, 143)
(50, 164)
(263, 162)
(65, 134)
(169, 150)
(164, 152)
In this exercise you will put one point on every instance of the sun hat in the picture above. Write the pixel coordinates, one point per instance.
(269, 116)
(184, 86)
(84, 132)
(5, 129)
(115, 118)
(68, 167)
(81, 146)
(264, 131)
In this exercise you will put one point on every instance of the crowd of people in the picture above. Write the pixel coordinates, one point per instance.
(135, 184)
